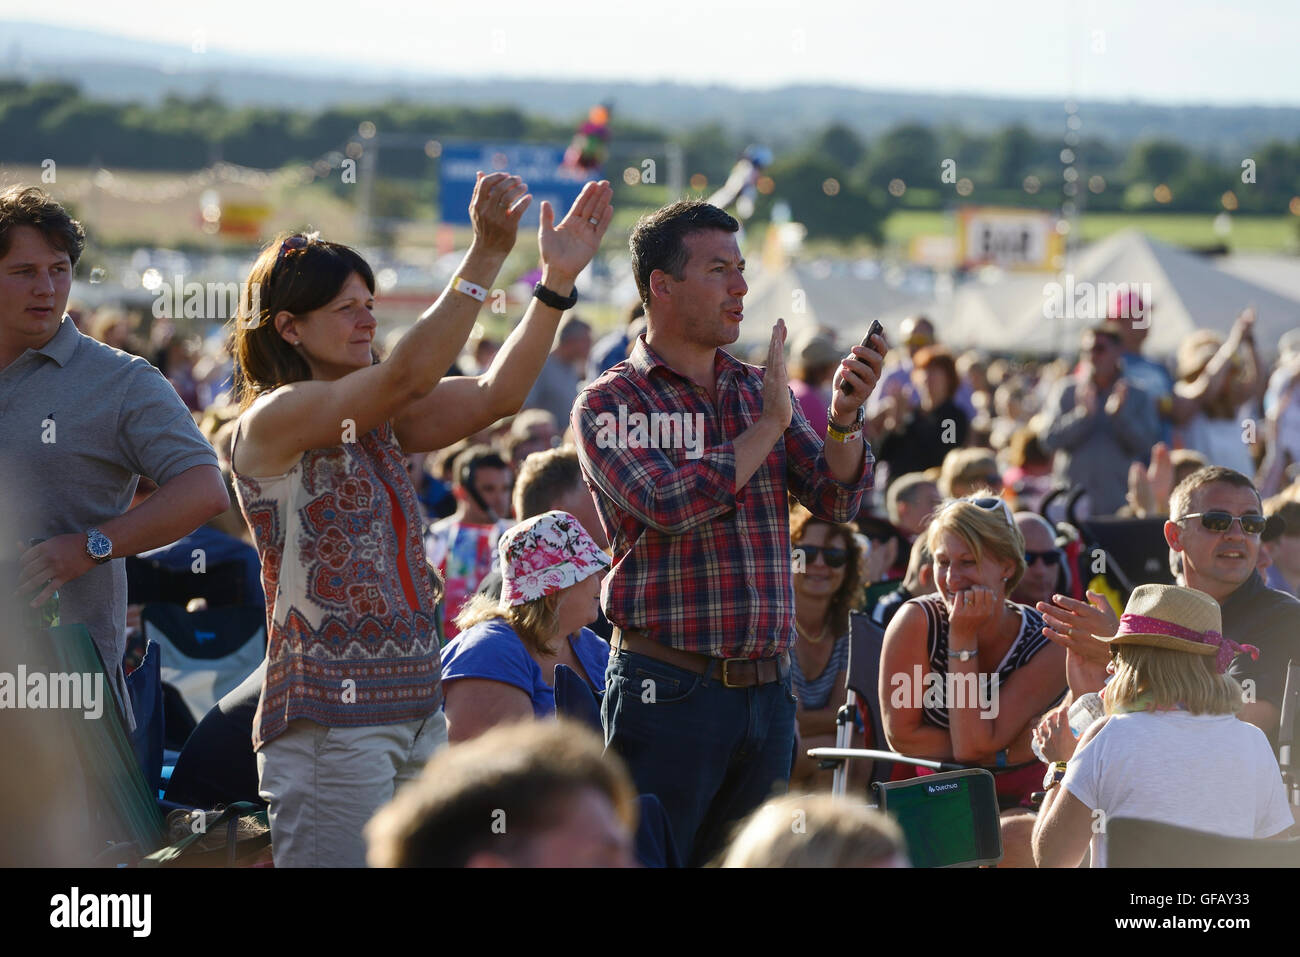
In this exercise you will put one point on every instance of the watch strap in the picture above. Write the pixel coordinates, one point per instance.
(91, 535)
(1055, 774)
(548, 297)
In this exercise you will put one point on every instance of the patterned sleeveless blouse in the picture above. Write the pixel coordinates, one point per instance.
(349, 597)
(1028, 642)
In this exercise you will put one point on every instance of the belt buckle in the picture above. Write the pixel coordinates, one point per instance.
(726, 681)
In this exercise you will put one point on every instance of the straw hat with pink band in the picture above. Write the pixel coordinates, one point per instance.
(545, 554)
(1180, 619)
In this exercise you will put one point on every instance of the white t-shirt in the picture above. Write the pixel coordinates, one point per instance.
(1208, 772)
(1220, 441)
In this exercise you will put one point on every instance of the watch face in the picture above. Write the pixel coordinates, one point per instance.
(98, 545)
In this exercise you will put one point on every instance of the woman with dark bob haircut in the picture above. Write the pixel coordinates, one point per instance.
(350, 707)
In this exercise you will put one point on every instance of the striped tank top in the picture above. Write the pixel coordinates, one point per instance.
(1028, 642)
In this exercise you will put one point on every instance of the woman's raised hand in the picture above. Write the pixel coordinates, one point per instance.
(498, 203)
(568, 247)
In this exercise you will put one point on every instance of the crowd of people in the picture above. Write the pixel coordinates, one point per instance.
(447, 543)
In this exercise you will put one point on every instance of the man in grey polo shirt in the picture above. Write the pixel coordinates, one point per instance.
(80, 422)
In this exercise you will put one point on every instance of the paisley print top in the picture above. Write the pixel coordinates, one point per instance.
(349, 596)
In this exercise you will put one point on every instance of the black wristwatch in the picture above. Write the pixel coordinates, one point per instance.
(553, 299)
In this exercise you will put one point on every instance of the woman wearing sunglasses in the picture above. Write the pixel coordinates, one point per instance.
(350, 707)
(966, 672)
(829, 575)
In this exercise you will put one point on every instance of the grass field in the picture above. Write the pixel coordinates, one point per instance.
(1248, 233)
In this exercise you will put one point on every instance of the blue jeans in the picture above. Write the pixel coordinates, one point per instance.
(711, 754)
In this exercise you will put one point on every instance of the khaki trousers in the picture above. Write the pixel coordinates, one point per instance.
(323, 784)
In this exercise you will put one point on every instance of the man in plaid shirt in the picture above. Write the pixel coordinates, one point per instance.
(691, 455)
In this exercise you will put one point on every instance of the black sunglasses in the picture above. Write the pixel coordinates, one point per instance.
(835, 557)
(1216, 521)
(1051, 558)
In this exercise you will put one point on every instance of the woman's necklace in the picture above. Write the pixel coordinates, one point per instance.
(810, 638)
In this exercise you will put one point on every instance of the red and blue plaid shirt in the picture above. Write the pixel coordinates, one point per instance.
(699, 565)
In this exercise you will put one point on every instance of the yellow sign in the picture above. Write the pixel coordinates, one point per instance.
(243, 220)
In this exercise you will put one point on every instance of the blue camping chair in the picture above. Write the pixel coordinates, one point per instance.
(145, 685)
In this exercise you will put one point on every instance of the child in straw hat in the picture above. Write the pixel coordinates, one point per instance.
(1169, 748)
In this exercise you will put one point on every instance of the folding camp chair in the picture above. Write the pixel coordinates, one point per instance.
(1286, 732)
(1137, 545)
(126, 813)
(150, 582)
(1089, 559)
(950, 819)
(144, 684)
(866, 643)
(218, 766)
(206, 654)
(1134, 843)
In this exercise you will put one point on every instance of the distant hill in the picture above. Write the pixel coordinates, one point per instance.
(114, 68)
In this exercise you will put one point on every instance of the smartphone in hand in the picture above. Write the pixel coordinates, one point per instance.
(876, 329)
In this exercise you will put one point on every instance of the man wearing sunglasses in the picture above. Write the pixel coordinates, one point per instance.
(1042, 561)
(1215, 523)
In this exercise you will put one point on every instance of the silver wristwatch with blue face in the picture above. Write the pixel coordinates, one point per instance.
(98, 546)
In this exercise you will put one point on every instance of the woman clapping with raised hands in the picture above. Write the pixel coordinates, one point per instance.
(350, 706)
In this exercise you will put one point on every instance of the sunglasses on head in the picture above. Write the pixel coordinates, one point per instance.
(1216, 521)
(835, 557)
(991, 504)
(292, 244)
(1050, 558)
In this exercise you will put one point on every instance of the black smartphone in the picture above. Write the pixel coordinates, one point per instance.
(876, 329)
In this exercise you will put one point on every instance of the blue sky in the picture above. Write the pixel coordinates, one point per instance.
(1187, 52)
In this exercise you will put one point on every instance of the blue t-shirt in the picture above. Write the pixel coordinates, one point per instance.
(492, 651)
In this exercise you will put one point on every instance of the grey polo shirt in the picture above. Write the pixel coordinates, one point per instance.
(80, 422)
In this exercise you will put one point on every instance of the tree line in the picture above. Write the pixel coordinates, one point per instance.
(911, 165)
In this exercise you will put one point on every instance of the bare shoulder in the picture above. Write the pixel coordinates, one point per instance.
(266, 426)
(908, 626)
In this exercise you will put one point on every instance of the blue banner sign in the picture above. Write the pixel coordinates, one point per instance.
(538, 165)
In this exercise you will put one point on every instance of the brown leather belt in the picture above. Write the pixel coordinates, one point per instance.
(735, 672)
